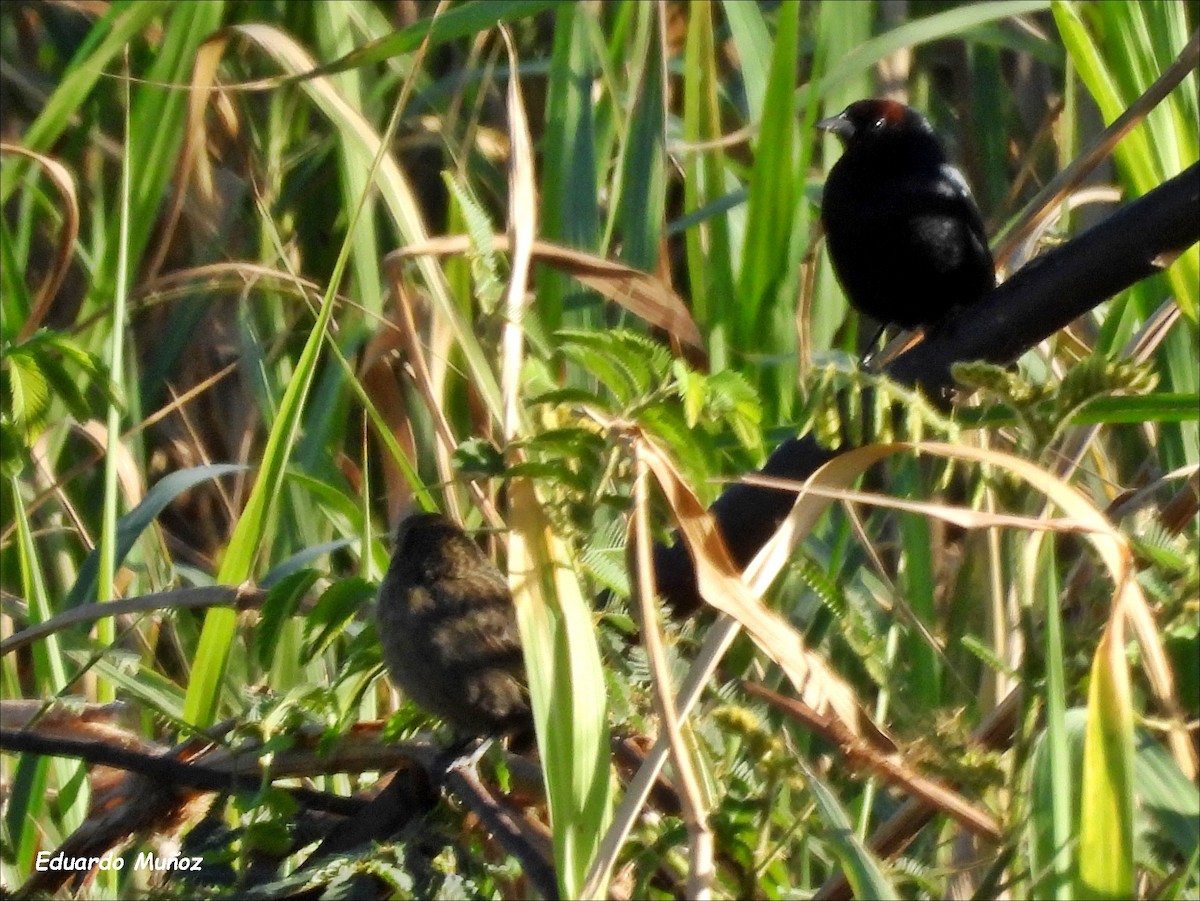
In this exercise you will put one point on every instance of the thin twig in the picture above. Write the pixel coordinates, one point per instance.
(895, 771)
(242, 598)
(902, 827)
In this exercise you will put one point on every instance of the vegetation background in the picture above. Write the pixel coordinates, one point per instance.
(214, 375)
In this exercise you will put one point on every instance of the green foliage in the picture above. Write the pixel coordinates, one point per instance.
(1163, 795)
(633, 379)
(264, 424)
(485, 265)
(47, 374)
(1045, 409)
(847, 405)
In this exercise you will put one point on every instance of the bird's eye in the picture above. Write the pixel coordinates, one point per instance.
(880, 122)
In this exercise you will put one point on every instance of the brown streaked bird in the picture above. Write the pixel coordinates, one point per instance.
(448, 628)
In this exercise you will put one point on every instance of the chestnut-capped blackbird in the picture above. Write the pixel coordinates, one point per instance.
(448, 628)
(904, 234)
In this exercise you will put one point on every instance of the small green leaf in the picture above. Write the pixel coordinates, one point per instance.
(282, 602)
(336, 606)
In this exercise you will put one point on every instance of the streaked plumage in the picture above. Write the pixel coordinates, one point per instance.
(449, 631)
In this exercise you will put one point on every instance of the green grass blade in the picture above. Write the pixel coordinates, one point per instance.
(569, 210)
(1106, 792)
(122, 24)
(566, 684)
(1062, 823)
(709, 245)
(863, 870)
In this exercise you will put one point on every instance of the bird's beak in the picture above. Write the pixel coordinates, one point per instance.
(839, 125)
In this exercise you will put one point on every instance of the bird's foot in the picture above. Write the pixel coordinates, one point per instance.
(462, 755)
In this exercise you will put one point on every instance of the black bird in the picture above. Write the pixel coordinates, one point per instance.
(448, 628)
(905, 236)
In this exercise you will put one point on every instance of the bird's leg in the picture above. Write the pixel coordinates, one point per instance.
(892, 349)
(869, 359)
(463, 754)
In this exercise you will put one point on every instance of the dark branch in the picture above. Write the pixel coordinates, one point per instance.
(509, 828)
(162, 767)
(1058, 287)
(377, 819)
(411, 793)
